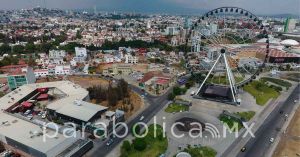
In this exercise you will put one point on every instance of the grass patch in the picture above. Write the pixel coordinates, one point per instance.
(201, 152)
(174, 108)
(261, 91)
(155, 146)
(277, 81)
(223, 80)
(230, 121)
(246, 115)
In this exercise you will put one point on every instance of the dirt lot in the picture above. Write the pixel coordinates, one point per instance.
(290, 143)
(88, 81)
(129, 107)
(135, 104)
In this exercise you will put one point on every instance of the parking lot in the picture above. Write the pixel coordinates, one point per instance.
(34, 108)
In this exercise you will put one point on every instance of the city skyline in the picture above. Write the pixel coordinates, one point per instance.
(267, 7)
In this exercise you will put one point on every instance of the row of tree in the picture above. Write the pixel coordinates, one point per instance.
(112, 94)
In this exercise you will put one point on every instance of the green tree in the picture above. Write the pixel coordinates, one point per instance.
(171, 96)
(139, 144)
(18, 49)
(30, 48)
(5, 48)
(78, 35)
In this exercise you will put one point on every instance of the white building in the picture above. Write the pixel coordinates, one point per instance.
(41, 73)
(108, 58)
(81, 54)
(62, 70)
(172, 31)
(196, 44)
(131, 59)
(57, 54)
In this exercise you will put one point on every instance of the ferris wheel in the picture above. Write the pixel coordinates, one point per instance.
(226, 36)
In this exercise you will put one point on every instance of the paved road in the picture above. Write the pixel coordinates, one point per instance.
(156, 104)
(259, 146)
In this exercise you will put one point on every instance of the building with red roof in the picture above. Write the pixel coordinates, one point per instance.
(275, 55)
(156, 81)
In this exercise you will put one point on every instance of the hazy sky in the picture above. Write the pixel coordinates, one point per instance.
(165, 6)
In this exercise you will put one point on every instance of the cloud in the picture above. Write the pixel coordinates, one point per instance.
(173, 6)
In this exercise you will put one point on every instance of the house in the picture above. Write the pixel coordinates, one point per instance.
(57, 56)
(131, 59)
(62, 70)
(108, 58)
(156, 81)
(51, 69)
(41, 73)
(122, 69)
(9, 68)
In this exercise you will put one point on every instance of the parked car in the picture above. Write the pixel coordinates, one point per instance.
(27, 112)
(44, 115)
(109, 142)
(40, 113)
(30, 116)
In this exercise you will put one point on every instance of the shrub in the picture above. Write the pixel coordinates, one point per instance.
(139, 144)
(277, 88)
(126, 146)
(177, 91)
(171, 96)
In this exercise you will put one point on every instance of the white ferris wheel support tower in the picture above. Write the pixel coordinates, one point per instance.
(230, 76)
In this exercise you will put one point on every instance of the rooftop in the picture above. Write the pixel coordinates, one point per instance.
(30, 133)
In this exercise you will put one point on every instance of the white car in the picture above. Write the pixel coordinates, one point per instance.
(142, 118)
(271, 140)
(44, 116)
(27, 112)
(41, 113)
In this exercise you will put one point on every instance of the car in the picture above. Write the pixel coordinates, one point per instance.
(295, 101)
(243, 149)
(30, 116)
(271, 140)
(109, 142)
(142, 117)
(40, 113)
(5, 154)
(27, 112)
(286, 115)
(44, 116)
(192, 93)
